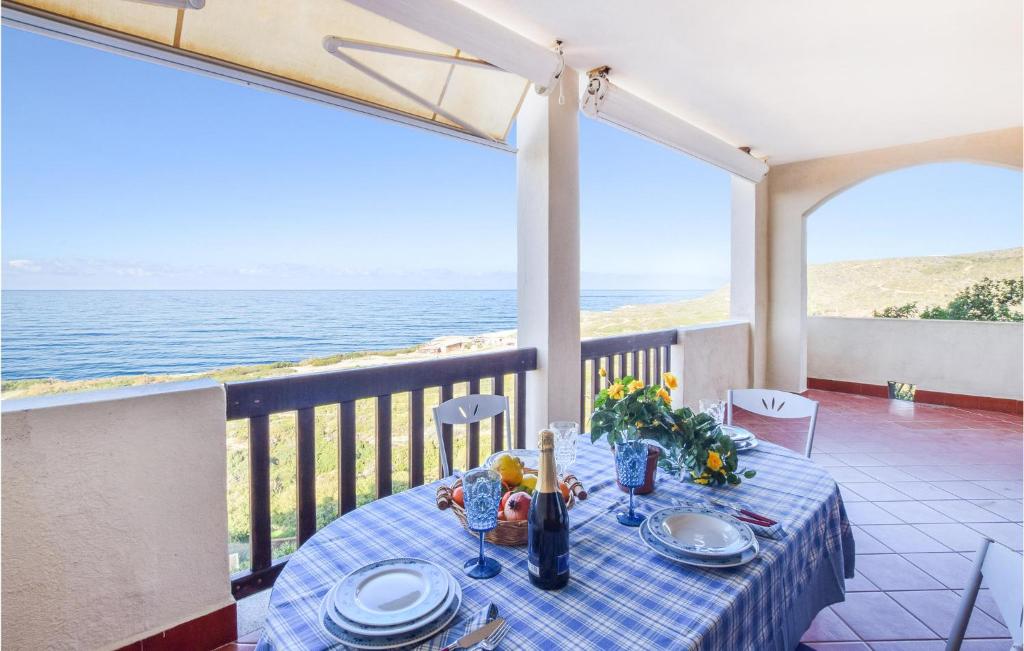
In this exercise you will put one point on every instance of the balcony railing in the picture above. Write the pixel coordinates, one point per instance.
(258, 400)
(645, 355)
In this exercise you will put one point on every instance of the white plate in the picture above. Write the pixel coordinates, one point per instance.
(391, 592)
(748, 444)
(700, 531)
(378, 631)
(737, 433)
(404, 640)
(661, 549)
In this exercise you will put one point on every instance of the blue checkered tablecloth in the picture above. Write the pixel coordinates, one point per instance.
(620, 596)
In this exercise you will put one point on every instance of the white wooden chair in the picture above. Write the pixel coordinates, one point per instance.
(465, 410)
(999, 569)
(774, 404)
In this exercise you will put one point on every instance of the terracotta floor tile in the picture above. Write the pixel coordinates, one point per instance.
(951, 569)
(1006, 488)
(827, 627)
(963, 511)
(863, 513)
(967, 490)
(937, 608)
(859, 459)
(922, 490)
(888, 474)
(846, 474)
(955, 536)
(867, 544)
(875, 491)
(910, 645)
(893, 572)
(903, 538)
(914, 512)
(1004, 533)
(876, 616)
(1012, 510)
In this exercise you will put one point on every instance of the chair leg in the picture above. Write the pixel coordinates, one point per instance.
(963, 615)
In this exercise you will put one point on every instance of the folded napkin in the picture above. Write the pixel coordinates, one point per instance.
(451, 635)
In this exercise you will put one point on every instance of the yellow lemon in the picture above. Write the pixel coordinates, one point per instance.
(510, 468)
(529, 483)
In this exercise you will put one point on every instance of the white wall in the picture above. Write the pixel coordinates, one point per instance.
(114, 514)
(969, 357)
(795, 190)
(709, 360)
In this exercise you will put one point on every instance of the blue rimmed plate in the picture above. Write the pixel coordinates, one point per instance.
(375, 631)
(661, 549)
(738, 433)
(700, 531)
(396, 641)
(391, 592)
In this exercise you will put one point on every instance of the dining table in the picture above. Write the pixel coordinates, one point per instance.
(620, 595)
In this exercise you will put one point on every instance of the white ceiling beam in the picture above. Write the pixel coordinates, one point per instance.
(456, 25)
(603, 100)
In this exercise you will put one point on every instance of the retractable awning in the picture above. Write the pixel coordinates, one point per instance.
(326, 50)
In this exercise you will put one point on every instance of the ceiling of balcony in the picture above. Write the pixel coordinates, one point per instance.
(799, 79)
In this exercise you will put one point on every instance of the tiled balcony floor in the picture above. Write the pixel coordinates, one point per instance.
(922, 484)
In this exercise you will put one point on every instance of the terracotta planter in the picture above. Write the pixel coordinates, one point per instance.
(650, 473)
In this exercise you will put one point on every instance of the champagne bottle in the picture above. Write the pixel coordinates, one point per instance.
(548, 524)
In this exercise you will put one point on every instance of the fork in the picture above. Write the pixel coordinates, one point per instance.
(491, 642)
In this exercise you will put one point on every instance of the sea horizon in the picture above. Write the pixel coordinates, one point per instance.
(82, 334)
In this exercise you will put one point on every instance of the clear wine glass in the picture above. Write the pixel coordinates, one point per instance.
(481, 493)
(566, 432)
(630, 463)
(715, 409)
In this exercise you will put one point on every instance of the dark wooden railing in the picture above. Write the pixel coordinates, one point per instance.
(257, 400)
(645, 355)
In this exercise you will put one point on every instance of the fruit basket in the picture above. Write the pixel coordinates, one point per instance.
(511, 533)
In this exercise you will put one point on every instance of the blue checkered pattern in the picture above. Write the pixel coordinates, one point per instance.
(620, 596)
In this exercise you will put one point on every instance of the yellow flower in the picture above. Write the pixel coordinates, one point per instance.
(664, 395)
(675, 428)
(701, 480)
(602, 373)
(714, 461)
(615, 391)
(635, 385)
(639, 424)
(670, 380)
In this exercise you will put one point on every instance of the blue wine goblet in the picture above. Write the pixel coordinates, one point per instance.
(630, 463)
(481, 492)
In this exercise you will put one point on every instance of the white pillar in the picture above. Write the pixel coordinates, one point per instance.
(548, 237)
(748, 294)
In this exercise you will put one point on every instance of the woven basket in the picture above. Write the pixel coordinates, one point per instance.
(510, 534)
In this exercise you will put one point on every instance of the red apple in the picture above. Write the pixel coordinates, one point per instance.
(518, 506)
(504, 500)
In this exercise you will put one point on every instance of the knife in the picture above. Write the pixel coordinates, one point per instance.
(476, 636)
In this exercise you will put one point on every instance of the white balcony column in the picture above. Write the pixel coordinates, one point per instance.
(548, 239)
(748, 289)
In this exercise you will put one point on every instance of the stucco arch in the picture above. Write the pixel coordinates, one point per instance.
(796, 190)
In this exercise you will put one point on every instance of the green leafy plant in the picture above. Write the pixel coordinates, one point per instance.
(690, 443)
(986, 300)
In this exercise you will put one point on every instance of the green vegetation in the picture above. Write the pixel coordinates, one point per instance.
(987, 300)
(972, 285)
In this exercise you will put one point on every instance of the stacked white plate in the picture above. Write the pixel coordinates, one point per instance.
(743, 439)
(699, 536)
(391, 604)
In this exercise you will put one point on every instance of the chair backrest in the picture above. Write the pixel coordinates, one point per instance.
(774, 404)
(465, 410)
(1001, 570)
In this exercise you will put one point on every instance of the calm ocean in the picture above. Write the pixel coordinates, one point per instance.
(74, 335)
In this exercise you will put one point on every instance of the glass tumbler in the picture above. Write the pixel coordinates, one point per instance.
(565, 444)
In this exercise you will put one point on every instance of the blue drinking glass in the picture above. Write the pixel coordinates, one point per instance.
(481, 492)
(630, 464)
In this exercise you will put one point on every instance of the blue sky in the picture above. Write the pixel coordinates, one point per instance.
(123, 174)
